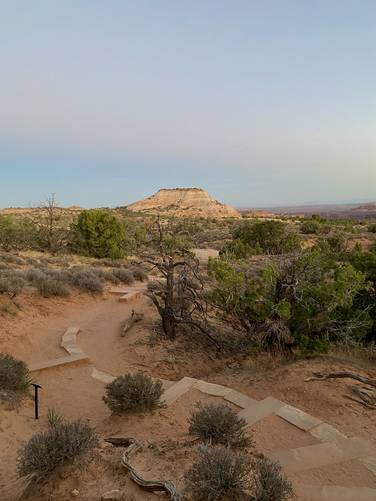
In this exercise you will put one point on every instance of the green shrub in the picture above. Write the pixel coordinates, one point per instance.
(219, 473)
(271, 237)
(14, 377)
(133, 392)
(271, 484)
(309, 227)
(372, 228)
(218, 424)
(58, 445)
(99, 234)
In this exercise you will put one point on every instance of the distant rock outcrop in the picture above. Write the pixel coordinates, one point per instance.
(193, 202)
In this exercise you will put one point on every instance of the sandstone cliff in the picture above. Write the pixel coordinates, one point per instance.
(184, 202)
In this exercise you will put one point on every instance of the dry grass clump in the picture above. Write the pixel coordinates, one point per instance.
(219, 473)
(11, 282)
(133, 392)
(218, 424)
(14, 378)
(86, 279)
(60, 444)
(139, 274)
(124, 276)
(270, 483)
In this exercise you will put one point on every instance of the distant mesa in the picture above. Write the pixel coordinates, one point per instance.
(192, 202)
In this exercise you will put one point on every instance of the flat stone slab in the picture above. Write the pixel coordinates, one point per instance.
(336, 493)
(57, 362)
(217, 390)
(118, 291)
(369, 463)
(69, 340)
(317, 456)
(239, 399)
(131, 296)
(259, 410)
(298, 418)
(326, 433)
(178, 389)
(102, 376)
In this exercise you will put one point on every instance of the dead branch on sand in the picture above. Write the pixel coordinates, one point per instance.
(132, 446)
(366, 396)
(129, 322)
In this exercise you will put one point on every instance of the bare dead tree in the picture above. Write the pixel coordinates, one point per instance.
(178, 294)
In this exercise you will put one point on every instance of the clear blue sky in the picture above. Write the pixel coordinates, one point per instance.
(260, 102)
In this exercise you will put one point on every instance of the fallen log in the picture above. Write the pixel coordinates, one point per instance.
(132, 446)
(129, 322)
(321, 376)
(365, 396)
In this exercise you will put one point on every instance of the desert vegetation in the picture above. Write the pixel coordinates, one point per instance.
(278, 291)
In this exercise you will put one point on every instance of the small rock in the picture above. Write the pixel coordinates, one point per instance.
(75, 493)
(113, 495)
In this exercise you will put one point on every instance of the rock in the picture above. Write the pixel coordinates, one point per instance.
(113, 495)
(184, 202)
(75, 493)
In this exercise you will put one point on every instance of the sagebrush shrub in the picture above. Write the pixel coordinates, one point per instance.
(219, 473)
(218, 424)
(125, 276)
(14, 376)
(86, 280)
(133, 392)
(56, 446)
(270, 483)
(48, 287)
(139, 274)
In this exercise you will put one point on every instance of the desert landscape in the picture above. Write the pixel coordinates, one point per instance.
(188, 250)
(171, 297)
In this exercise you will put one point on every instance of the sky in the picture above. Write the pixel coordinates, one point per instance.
(261, 103)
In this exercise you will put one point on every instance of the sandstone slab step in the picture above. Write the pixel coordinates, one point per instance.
(326, 433)
(261, 409)
(317, 456)
(370, 463)
(178, 389)
(57, 362)
(336, 493)
(298, 418)
(239, 399)
(131, 296)
(102, 376)
(217, 390)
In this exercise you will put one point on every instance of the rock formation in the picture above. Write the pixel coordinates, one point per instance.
(193, 202)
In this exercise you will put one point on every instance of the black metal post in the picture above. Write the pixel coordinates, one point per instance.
(36, 401)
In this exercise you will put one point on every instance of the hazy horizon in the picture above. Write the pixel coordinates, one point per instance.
(262, 104)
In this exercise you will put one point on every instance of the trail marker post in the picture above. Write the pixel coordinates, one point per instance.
(36, 400)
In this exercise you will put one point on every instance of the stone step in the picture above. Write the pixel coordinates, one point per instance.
(57, 362)
(131, 296)
(216, 390)
(298, 418)
(104, 377)
(326, 433)
(239, 399)
(370, 463)
(335, 493)
(178, 389)
(69, 341)
(317, 456)
(260, 410)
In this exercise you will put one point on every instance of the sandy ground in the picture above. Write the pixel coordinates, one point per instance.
(35, 334)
